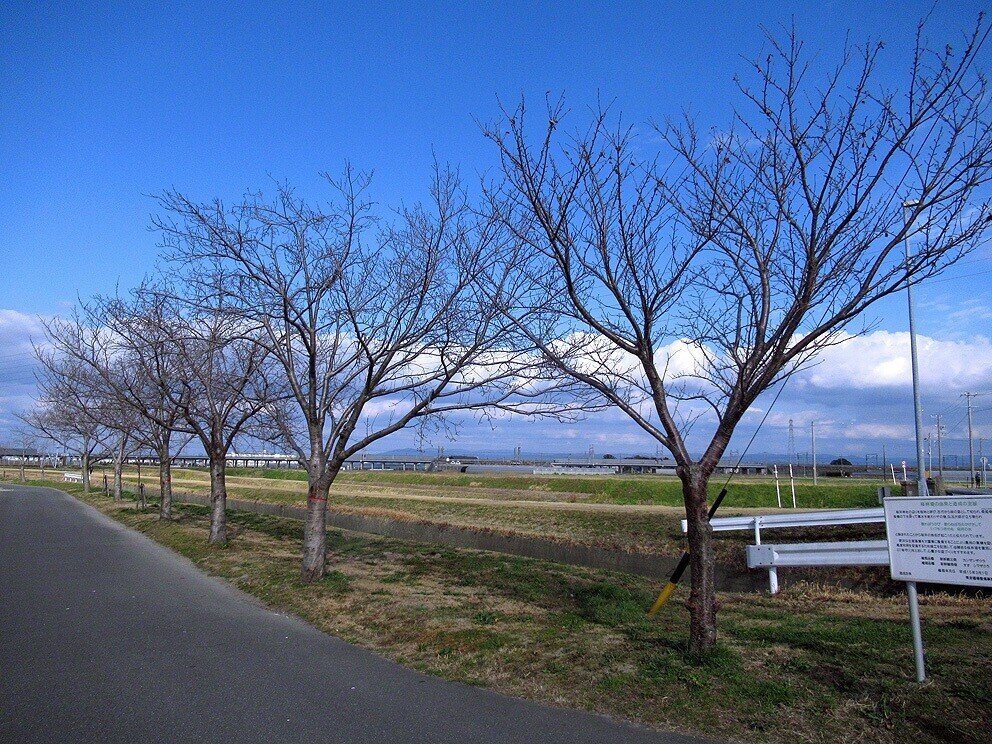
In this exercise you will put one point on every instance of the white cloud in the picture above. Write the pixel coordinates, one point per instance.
(872, 430)
(17, 366)
(881, 360)
(16, 333)
(859, 394)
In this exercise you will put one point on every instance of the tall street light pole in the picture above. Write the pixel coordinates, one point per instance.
(921, 476)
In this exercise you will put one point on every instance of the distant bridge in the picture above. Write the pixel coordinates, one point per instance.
(291, 462)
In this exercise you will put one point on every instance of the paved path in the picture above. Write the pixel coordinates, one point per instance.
(106, 636)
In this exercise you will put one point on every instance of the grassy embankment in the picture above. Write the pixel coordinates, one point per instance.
(573, 509)
(744, 492)
(593, 510)
(808, 665)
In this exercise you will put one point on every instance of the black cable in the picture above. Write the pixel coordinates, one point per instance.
(683, 563)
(758, 429)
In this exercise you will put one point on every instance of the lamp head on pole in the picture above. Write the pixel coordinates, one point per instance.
(907, 208)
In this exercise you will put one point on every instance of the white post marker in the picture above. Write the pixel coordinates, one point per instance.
(812, 434)
(792, 485)
(905, 475)
(940, 540)
(893, 469)
(778, 491)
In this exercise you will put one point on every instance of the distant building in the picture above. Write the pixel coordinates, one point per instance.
(392, 462)
(639, 466)
(16, 455)
(460, 464)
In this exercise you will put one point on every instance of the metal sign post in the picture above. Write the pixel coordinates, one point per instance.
(938, 540)
(914, 622)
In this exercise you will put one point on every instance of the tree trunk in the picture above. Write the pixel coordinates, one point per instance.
(315, 530)
(218, 499)
(118, 479)
(85, 462)
(164, 481)
(702, 594)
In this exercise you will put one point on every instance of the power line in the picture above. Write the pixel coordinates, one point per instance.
(971, 442)
(761, 423)
(927, 282)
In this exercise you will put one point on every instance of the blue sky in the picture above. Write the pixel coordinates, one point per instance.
(102, 105)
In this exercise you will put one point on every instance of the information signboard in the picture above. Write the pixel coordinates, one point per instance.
(940, 539)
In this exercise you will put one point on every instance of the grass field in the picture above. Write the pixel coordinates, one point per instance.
(632, 513)
(745, 491)
(810, 665)
(528, 505)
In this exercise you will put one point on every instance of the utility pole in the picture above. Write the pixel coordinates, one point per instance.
(971, 442)
(812, 435)
(940, 451)
(921, 478)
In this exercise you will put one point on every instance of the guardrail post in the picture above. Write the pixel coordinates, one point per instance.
(772, 570)
(773, 580)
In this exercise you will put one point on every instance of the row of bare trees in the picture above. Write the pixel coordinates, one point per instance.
(675, 277)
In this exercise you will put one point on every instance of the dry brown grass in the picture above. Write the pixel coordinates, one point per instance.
(813, 664)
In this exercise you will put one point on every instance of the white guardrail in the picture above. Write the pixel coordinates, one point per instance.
(854, 553)
(826, 518)
(857, 553)
(72, 477)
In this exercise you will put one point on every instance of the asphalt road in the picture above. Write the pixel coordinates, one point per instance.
(106, 636)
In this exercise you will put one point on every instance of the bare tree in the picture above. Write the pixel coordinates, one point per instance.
(124, 436)
(136, 355)
(217, 362)
(27, 436)
(125, 343)
(369, 336)
(68, 411)
(680, 286)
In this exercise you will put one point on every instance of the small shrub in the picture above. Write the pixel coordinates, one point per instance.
(607, 604)
(337, 582)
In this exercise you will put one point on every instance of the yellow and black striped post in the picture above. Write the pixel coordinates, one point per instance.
(666, 592)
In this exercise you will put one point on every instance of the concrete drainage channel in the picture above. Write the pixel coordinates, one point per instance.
(642, 564)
